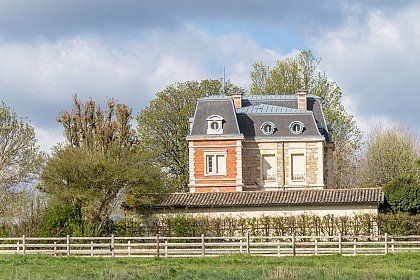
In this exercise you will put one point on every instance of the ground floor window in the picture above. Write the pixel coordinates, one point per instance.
(298, 167)
(215, 163)
(269, 168)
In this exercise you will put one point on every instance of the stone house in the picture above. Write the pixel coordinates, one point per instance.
(258, 155)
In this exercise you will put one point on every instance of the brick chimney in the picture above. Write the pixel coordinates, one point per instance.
(301, 97)
(237, 100)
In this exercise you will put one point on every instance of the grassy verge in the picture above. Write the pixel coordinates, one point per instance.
(401, 266)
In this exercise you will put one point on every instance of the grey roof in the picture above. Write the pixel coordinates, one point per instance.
(273, 198)
(217, 106)
(273, 97)
(268, 109)
(250, 125)
(215, 97)
(257, 109)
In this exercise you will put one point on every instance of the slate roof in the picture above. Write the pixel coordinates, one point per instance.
(268, 109)
(220, 105)
(257, 109)
(273, 198)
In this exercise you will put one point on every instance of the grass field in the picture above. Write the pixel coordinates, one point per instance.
(400, 266)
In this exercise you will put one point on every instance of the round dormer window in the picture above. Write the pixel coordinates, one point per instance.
(268, 128)
(214, 125)
(296, 127)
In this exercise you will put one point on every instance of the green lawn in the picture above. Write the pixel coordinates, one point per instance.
(401, 266)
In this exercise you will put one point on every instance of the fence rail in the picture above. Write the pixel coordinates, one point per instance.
(204, 246)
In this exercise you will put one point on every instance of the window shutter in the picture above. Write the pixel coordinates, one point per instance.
(221, 164)
(298, 167)
(269, 167)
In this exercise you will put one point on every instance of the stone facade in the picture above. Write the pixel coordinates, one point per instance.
(252, 157)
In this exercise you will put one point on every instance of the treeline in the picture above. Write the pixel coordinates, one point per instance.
(107, 169)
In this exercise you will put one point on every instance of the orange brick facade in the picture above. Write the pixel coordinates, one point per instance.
(209, 183)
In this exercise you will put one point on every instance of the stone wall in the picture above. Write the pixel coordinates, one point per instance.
(251, 164)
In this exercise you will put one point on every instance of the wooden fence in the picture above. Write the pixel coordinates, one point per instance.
(204, 246)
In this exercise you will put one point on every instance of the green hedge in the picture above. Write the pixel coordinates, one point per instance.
(188, 225)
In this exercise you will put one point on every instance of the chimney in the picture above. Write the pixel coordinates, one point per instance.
(301, 97)
(237, 100)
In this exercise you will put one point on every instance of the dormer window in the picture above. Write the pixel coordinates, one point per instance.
(296, 127)
(215, 125)
(268, 128)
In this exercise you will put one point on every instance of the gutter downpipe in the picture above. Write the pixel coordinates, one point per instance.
(283, 168)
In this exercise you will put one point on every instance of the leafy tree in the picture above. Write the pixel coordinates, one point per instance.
(390, 153)
(20, 158)
(403, 195)
(98, 165)
(163, 126)
(20, 165)
(61, 220)
(293, 74)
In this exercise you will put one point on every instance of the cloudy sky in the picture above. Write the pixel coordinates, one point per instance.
(131, 49)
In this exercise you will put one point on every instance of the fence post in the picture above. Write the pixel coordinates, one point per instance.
(166, 248)
(316, 247)
(293, 244)
(203, 246)
(386, 243)
(68, 245)
(278, 247)
(23, 244)
(55, 248)
(392, 246)
(17, 247)
(240, 245)
(129, 248)
(340, 239)
(112, 245)
(247, 243)
(91, 248)
(157, 245)
(354, 247)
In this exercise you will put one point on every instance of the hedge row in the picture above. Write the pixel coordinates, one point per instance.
(188, 225)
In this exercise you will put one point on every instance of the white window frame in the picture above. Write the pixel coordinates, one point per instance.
(215, 120)
(268, 124)
(216, 170)
(298, 124)
(298, 181)
(274, 168)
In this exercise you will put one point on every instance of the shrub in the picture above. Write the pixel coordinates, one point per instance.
(399, 224)
(402, 195)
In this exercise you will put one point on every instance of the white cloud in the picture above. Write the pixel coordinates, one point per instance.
(375, 61)
(48, 137)
(41, 78)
